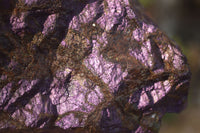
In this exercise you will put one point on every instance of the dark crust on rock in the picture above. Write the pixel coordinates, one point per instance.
(93, 66)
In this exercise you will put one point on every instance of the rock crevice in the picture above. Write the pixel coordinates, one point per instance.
(87, 66)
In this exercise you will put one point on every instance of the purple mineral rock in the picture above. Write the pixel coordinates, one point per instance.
(86, 66)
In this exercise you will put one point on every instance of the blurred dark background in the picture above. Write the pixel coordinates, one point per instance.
(180, 20)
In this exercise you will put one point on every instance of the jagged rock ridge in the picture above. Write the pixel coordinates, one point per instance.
(87, 66)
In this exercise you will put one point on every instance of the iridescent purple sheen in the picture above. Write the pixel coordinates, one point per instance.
(18, 22)
(68, 121)
(140, 33)
(4, 93)
(24, 87)
(72, 86)
(109, 72)
(49, 24)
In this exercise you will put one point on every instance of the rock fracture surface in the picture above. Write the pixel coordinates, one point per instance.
(86, 66)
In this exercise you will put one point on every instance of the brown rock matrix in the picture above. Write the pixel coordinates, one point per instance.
(86, 66)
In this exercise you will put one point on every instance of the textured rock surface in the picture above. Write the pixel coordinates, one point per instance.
(86, 66)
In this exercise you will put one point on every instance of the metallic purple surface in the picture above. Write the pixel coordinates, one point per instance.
(96, 65)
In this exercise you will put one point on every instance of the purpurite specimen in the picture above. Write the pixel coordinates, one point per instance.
(95, 66)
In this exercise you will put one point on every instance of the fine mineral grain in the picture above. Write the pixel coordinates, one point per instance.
(86, 66)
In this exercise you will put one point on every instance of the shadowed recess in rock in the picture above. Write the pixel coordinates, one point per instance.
(93, 66)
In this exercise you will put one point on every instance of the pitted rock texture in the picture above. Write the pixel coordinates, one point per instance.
(95, 66)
